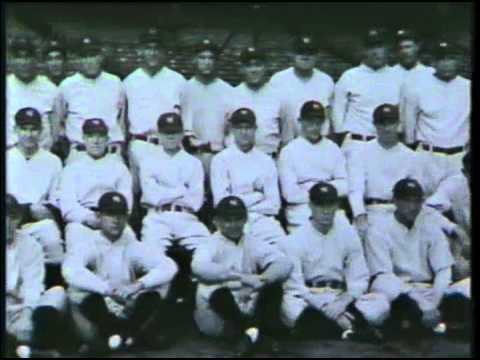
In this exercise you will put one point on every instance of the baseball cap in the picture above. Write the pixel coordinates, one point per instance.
(151, 37)
(206, 45)
(407, 188)
(405, 34)
(323, 193)
(95, 126)
(28, 116)
(312, 110)
(231, 207)
(374, 37)
(54, 45)
(386, 114)
(89, 46)
(444, 49)
(170, 123)
(305, 45)
(113, 203)
(243, 116)
(22, 44)
(252, 54)
(14, 209)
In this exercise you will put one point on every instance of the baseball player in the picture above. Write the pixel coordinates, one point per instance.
(326, 294)
(435, 111)
(244, 171)
(32, 177)
(410, 261)
(257, 93)
(151, 90)
(55, 58)
(84, 181)
(117, 284)
(92, 93)
(359, 91)
(34, 316)
(172, 184)
(307, 160)
(26, 88)
(301, 83)
(205, 103)
(240, 290)
(377, 167)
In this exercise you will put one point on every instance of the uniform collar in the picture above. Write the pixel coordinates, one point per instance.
(236, 149)
(308, 143)
(157, 74)
(372, 71)
(84, 78)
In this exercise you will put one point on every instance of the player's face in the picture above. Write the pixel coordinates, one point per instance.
(113, 225)
(407, 52)
(447, 68)
(95, 144)
(29, 135)
(376, 57)
(323, 215)
(55, 63)
(24, 67)
(171, 142)
(409, 208)
(244, 136)
(231, 228)
(153, 57)
(387, 133)
(205, 63)
(255, 72)
(13, 223)
(304, 62)
(312, 129)
(91, 65)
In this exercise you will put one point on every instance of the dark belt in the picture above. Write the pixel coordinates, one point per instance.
(374, 201)
(447, 151)
(362, 137)
(144, 138)
(333, 284)
(177, 208)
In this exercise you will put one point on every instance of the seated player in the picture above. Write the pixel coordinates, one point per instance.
(326, 294)
(244, 171)
(240, 290)
(117, 285)
(307, 160)
(410, 260)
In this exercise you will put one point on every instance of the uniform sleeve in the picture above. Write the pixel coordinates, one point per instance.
(291, 191)
(32, 272)
(187, 110)
(439, 254)
(270, 205)
(441, 199)
(53, 188)
(409, 110)
(377, 252)
(340, 173)
(204, 266)
(340, 103)
(159, 268)
(156, 194)
(275, 266)
(356, 271)
(219, 179)
(328, 126)
(125, 185)
(357, 181)
(194, 194)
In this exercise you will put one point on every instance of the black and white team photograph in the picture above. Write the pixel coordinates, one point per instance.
(238, 180)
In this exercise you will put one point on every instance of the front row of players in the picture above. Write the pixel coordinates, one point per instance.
(319, 281)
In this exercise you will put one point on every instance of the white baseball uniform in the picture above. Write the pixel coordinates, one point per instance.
(253, 178)
(217, 256)
(177, 182)
(419, 69)
(303, 164)
(296, 91)
(39, 94)
(336, 256)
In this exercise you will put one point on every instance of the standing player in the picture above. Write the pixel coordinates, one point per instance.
(92, 93)
(307, 160)
(32, 177)
(205, 103)
(240, 290)
(257, 93)
(151, 90)
(55, 57)
(435, 111)
(114, 278)
(326, 294)
(301, 83)
(244, 171)
(409, 257)
(26, 88)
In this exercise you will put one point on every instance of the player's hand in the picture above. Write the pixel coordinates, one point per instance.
(361, 223)
(335, 308)
(129, 290)
(40, 212)
(252, 281)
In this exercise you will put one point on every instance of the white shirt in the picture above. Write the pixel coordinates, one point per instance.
(297, 91)
(177, 180)
(303, 164)
(151, 96)
(94, 263)
(358, 92)
(251, 176)
(336, 256)
(85, 98)
(418, 70)
(205, 109)
(374, 171)
(414, 255)
(39, 94)
(83, 182)
(436, 112)
(267, 106)
(33, 180)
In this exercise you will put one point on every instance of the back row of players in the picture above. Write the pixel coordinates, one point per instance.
(263, 131)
